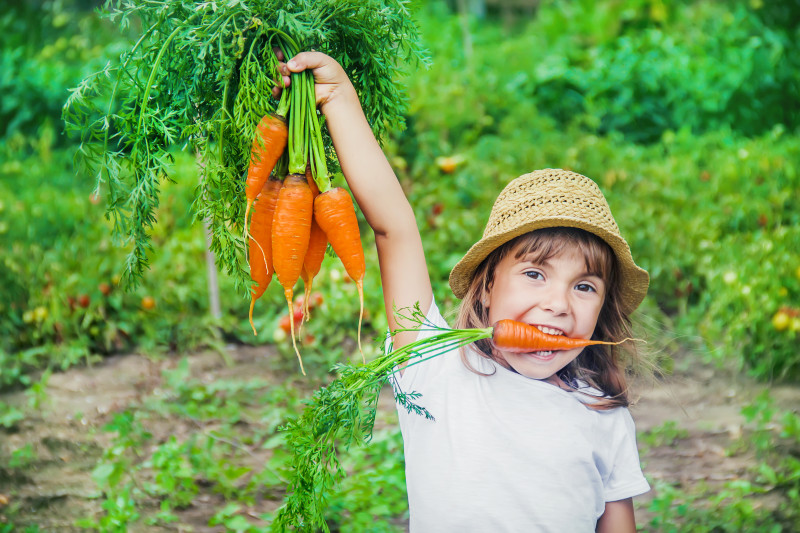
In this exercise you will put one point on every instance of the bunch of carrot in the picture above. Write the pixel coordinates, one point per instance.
(296, 212)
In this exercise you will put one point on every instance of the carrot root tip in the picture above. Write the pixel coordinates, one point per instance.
(360, 286)
(252, 304)
(288, 293)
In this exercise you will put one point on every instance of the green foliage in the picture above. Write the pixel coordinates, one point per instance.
(635, 67)
(667, 434)
(730, 266)
(231, 519)
(373, 495)
(10, 416)
(45, 47)
(60, 295)
(115, 472)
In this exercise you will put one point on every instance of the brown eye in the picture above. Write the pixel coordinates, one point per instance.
(585, 287)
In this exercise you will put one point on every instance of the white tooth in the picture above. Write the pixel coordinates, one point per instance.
(550, 331)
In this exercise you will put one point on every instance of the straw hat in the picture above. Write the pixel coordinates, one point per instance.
(545, 199)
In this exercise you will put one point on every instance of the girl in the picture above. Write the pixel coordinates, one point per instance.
(522, 442)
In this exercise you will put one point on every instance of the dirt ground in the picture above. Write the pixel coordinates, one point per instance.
(57, 489)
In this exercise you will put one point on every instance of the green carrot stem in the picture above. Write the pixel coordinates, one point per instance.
(298, 136)
(418, 351)
(319, 169)
(283, 103)
(282, 166)
(223, 111)
(287, 44)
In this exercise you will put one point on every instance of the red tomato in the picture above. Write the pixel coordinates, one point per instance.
(315, 300)
(84, 300)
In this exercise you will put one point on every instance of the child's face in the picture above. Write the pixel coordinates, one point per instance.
(559, 296)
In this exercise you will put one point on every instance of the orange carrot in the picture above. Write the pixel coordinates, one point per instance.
(260, 251)
(317, 244)
(336, 216)
(268, 145)
(513, 336)
(291, 228)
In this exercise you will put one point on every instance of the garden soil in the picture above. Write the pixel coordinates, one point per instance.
(686, 422)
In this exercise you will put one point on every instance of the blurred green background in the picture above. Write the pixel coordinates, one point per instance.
(686, 113)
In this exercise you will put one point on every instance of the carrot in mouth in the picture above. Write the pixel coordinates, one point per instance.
(513, 336)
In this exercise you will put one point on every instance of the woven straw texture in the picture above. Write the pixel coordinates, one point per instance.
(545, 199)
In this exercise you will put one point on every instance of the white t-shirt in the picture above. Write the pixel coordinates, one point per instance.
(507, 453)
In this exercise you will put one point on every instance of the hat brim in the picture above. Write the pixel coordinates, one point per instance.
(635, 279)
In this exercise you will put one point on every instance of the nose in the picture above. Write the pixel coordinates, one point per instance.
(556, 300)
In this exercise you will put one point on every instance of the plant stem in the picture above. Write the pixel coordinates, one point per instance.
(298, 134)
(319, 169)
(283, 104)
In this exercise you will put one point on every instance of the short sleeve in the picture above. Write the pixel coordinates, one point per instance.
(413, 374)
(626, 479)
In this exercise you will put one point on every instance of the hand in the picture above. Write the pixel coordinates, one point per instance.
(330, 78)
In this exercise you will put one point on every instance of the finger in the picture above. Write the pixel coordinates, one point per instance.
(307, 60)
(278, 53)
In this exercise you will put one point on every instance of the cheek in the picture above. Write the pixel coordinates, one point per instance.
(589, 320)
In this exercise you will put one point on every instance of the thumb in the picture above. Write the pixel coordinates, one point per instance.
(307, 60)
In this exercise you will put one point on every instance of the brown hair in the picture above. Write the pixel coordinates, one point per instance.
(600, 367)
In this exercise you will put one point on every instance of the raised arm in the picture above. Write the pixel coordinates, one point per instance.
(404, 273)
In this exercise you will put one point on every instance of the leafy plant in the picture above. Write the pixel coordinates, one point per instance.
(664, 435)
(10, 416)
(373, 495)
(201, 75)
(115, 475)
